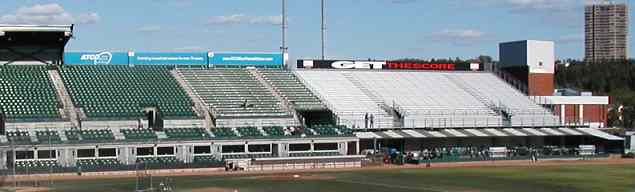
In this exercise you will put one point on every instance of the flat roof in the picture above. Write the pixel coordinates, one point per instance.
(36, 28)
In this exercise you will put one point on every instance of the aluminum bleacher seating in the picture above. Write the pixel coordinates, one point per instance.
(524, 111)
(346, 100)
(425, 99)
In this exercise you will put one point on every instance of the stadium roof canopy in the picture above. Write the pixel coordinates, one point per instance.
(33, 43)
(468, 133)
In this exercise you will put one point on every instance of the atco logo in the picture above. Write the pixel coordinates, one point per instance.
(358, 64)
(99, 58)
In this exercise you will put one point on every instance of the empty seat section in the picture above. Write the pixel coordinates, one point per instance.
(275, 131)
(90, 135)
(346, 99)
(186, 133)
(523, 110)
(139, 134)
(249, 132)
(98, 164)
(233, 93)
(36, 165)
(159, 162)
(290, 87)
(208, 160)
(18, 137)
(224, 133)
(26, 93)
(48, 137)
(314, 154)
(116, 91)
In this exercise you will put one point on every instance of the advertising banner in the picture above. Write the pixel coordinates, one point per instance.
(96, 58)
(157, 58)
(247, 59)
(388, 65)
(341, 64)
(405, 65)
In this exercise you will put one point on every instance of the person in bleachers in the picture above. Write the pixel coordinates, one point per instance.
(366, 120)
(372, 121)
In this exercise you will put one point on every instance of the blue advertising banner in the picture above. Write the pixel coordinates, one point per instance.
(157, 58)
(249, 59)
(96, 58)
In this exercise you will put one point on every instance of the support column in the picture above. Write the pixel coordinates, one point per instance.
(357, 147)
(562, 114)
(581, 115)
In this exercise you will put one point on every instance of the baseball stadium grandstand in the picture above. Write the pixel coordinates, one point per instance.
(106, 111)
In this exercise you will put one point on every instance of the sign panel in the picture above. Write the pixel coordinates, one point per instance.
(247, 59)
(96, 58)
(390, 65)
(158, 58)
(341, 64)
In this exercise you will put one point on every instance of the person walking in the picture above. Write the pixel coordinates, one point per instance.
(372, 121)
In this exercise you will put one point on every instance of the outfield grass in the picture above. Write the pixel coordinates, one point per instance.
(516, 179)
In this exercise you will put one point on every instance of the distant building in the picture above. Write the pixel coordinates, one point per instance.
(606, 31)
(531, 62)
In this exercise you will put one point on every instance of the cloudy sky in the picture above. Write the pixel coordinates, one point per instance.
(381, 29)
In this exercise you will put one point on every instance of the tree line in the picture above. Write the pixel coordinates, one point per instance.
(615, 78)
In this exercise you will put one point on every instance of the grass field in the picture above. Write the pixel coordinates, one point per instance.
(516, 179)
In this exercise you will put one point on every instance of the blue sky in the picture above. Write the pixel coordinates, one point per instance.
(381, 29)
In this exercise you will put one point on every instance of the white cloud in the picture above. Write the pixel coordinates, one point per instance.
(457, 36)
(47, 14)
(460, 34)
(149, 28)
(244, 19)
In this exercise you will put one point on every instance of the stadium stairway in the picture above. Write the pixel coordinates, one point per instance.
(476, 94)
(199, 105)
(68, 106)
(374, 97)
(283, 102)
(161, 135)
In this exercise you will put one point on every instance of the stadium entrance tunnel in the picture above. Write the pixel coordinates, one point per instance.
(152, 113)
(318, 117)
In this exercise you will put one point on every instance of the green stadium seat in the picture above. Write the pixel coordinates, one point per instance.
(292, 89)
(120, 91)
(186, 133)
(139, 134)
(27, 94)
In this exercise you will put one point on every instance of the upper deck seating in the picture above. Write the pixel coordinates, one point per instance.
(26, 93)
(233, 93)
(290, 87)
(120, 91)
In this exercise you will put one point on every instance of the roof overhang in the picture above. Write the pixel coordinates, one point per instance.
(37, 28)
(571, 100)
(33, 43)
(490, 132)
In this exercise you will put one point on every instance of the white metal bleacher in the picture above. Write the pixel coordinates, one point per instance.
(429, 99)
(346, 100)
(524, 111)
(426, 99)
